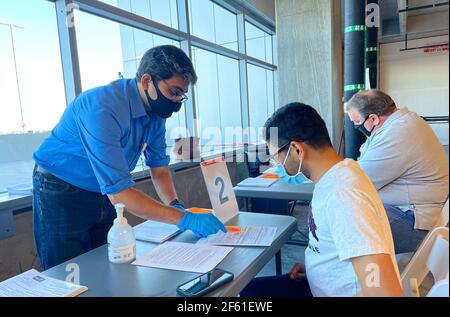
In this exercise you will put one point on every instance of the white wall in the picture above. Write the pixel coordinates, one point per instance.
(415, 79)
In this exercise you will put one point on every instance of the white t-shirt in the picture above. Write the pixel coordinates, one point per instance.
(347, 220)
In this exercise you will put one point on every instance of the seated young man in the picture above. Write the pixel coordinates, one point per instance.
(350, 252)
(406, 163)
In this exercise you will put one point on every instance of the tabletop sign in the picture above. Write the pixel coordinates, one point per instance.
(220, 189)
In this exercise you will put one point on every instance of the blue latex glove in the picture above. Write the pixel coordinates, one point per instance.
(202, 225)
(179, 206)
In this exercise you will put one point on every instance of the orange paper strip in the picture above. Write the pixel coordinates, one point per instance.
(274, 176)
(213, 161)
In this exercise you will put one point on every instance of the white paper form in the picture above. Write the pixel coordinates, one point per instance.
(247, 236)
(34, 284)
(154, 231)
(186, 257)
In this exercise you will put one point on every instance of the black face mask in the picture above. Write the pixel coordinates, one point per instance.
(162, 106)
(361, 128)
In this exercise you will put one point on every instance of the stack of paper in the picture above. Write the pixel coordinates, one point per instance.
(154, 231)
(258, 182)
(34, 284)
(243, 236)
(187, 257)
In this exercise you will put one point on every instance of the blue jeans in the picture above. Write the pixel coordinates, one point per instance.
(406, 238)
(276, 286)
(67, 221)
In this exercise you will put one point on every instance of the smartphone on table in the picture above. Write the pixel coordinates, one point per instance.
(205, 283)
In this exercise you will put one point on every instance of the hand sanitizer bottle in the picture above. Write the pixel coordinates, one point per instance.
(121, 241)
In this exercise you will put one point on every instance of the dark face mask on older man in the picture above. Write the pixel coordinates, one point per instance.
(361, 128)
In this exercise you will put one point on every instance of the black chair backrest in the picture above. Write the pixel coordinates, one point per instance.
(255, 156)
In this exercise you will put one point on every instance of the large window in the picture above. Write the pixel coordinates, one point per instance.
(235, 90)
(261, 96)
(217, 97)
(259, 43)
(213, 23)
(161, 11)
(32, 96)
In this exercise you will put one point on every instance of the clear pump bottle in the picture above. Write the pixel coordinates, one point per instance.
(121, 241)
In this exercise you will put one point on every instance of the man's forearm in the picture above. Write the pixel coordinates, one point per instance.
(377, 276)
(164, 185)
(146, 207)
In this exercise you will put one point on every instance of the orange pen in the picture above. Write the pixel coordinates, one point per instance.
(233, 229)
(196, 210)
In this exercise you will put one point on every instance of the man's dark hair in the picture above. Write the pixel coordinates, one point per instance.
(298, 122)
(163, 62)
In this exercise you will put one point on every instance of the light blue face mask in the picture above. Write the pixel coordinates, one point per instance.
(296, 179)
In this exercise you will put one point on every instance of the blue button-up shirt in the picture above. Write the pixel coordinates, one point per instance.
(100, 137)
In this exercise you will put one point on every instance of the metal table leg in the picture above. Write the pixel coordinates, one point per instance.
(247, 204)
(278, 267)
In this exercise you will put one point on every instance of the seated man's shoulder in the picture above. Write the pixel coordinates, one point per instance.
(349, 182)
(405, 123)
(353, 181)
(348, 171)
(407, 132)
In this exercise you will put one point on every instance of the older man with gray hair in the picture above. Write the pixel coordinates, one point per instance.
(405, 161)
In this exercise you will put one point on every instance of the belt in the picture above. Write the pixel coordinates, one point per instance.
(45, 173)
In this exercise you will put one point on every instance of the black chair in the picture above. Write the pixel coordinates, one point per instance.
(255, 158)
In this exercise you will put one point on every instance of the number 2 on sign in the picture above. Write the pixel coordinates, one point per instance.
(220, 181)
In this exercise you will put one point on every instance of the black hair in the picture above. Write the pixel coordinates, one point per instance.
(298, 122)
(163, 62)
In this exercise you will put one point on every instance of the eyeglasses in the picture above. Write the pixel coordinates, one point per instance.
(175, 94)
(272, 158)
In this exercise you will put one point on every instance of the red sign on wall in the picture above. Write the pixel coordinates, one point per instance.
(436, 49)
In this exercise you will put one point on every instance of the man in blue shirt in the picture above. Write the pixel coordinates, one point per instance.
(84, 166)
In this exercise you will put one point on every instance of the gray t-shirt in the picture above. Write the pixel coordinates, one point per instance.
(408, 166)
